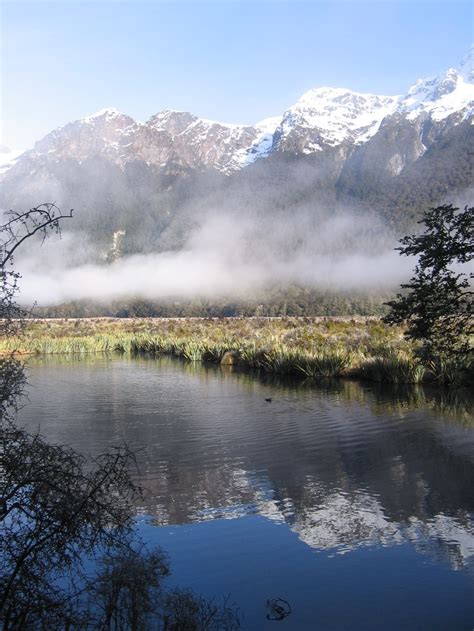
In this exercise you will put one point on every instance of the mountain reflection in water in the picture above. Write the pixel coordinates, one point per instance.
(344, 465)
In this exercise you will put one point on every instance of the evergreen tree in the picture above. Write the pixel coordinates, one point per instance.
(437, 301)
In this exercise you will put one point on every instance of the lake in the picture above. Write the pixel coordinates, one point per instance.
(354, 503)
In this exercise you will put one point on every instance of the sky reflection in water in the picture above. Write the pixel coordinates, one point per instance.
(353, 502)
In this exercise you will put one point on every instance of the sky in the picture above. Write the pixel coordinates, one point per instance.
(232, 61)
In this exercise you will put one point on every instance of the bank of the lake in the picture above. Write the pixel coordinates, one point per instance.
(312, 348)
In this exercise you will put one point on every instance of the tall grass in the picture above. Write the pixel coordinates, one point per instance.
(392, 367)
(453, 372)
(310, 348)
(324, 365)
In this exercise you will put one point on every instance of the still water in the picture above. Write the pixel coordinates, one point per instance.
(354, 503)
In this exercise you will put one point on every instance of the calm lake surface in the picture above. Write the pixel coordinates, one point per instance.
(354, 503)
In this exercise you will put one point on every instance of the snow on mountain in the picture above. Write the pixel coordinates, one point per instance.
(333, 116)
(262, 146)
(171, 121)
(440, 96)
(322, 118)
(342, 522)
(338, 115)
(220, 145)
(106, 112)
(196, 142)
(105, 133)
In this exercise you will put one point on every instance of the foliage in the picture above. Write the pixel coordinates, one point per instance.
(438, 300)
(55, 507)
(290, 301)
(19, 227)
(60, 515)
(61, 512)
(12, 384)
(325, 365)
(127, 589)
(391, 367)
(315, 348)
(55, 510)
(446, 167)
(185, 611)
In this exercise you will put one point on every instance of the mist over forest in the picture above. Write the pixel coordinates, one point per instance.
(224, 253)
(159, 216)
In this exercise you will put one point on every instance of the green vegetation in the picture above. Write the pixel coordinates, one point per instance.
(438, 301)
(393, 367)
(70, 555)
(292, 301)
(307, 347)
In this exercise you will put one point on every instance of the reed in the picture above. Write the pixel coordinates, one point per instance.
(192, 351)
(281, 360)
(324, 365)
(312, 348)
(453, 372)
(392, 367)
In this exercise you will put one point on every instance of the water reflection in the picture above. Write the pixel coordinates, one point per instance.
(344, 465)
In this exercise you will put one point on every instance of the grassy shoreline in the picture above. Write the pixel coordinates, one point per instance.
(313, 348)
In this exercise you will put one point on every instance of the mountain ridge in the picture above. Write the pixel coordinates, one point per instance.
(335, 148)
(322, 117)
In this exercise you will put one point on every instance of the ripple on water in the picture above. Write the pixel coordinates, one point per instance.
(343, 465)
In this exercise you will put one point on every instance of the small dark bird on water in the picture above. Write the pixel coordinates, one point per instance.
(269, 400)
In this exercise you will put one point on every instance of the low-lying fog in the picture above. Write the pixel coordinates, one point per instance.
(227, 255)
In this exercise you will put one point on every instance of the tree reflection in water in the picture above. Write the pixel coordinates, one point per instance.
(69, 553)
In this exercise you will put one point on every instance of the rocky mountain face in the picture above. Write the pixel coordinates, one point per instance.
(399, 152)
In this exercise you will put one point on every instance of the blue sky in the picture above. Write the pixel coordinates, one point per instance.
(235, 61)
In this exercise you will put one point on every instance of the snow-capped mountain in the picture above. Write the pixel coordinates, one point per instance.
(106, 133)
(391, 154)
(442, 96)
(331, 116)
(321, 118)
(167, 136)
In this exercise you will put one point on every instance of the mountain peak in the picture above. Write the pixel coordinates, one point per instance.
(441, 96)
(340, 114)
(106, 112)
(322, 117)
(433, 88)
(171, 121)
